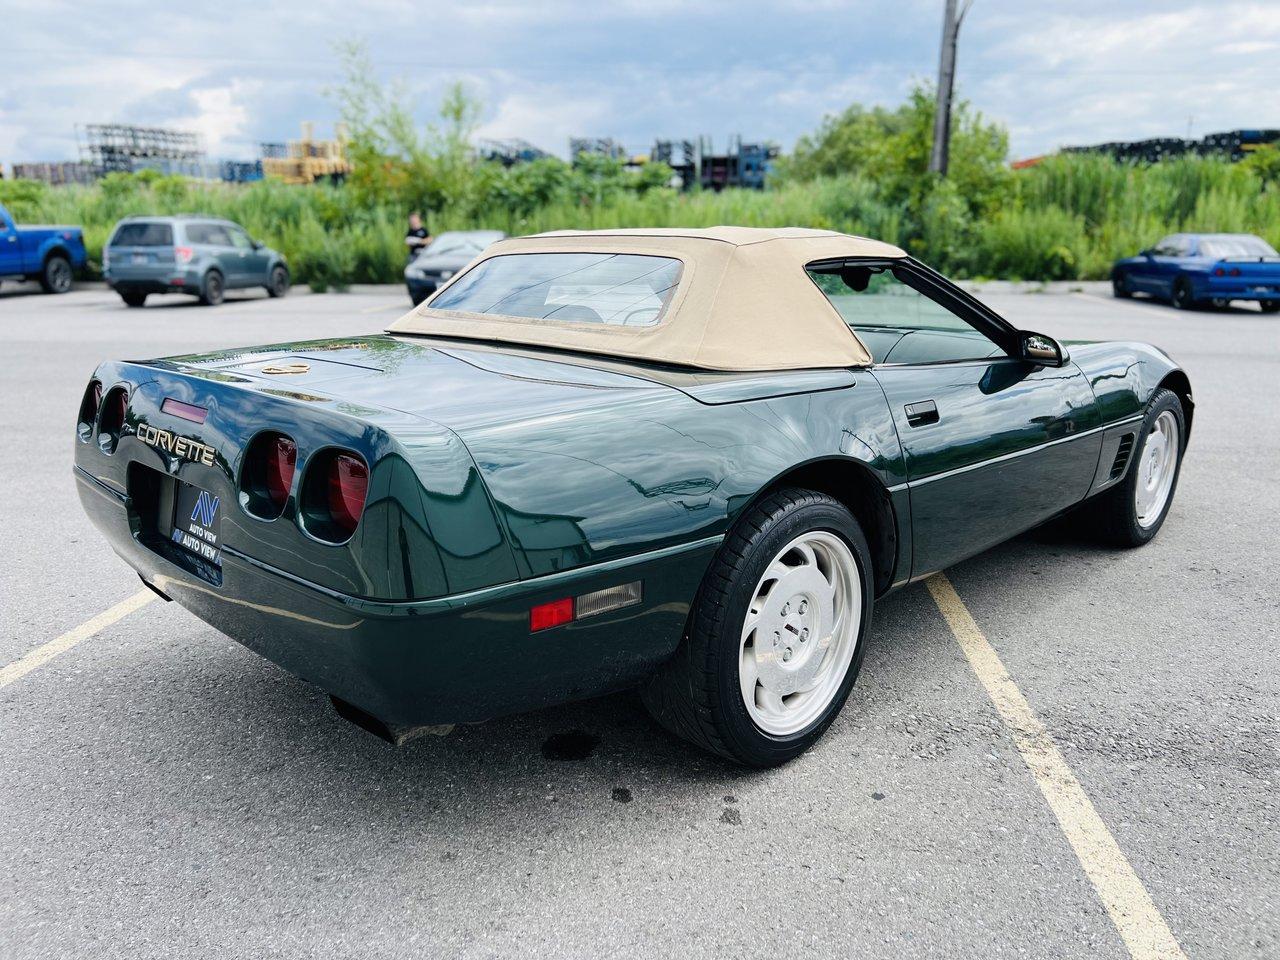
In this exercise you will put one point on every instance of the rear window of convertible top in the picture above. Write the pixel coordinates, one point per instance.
(630, 290)
(143, 235)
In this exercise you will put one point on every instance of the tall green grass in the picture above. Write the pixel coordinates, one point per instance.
(1069, 217)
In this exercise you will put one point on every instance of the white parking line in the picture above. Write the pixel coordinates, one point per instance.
(1130, 907)
(46, 652)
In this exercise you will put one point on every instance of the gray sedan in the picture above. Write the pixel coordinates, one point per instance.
(443, 257)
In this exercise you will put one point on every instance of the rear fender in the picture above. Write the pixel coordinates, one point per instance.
(427, 529)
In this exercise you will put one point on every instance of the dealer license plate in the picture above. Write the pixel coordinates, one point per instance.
(197, 522)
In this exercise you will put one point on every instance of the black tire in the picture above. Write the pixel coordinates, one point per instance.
(1120, 286)
(1113, 515)
(1183, 295)
(696, 694)
(1269, 306)
(56, 276)
(278, 282)
(212, 289)
(133, 298)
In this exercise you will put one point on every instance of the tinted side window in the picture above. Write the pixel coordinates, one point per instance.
(240, 238)
(896, 322)
(143, 235)
(197, 233)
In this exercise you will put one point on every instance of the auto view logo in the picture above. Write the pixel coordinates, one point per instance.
(206, 509)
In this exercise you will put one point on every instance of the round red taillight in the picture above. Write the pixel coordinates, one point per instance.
(267, 475)
(111, 422)
(89, 405)
(334, 489)
(282, 457)
(1235, 271)
(1219, 272)
(348, 485)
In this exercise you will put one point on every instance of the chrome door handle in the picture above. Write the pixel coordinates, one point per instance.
(921, 412)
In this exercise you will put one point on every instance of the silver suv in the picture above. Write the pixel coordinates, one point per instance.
(201, 256)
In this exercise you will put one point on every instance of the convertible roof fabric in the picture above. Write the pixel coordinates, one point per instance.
(744, 301)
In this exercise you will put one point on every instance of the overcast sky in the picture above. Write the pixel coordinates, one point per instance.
(238, 73)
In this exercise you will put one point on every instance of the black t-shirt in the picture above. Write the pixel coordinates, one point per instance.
(420, 233)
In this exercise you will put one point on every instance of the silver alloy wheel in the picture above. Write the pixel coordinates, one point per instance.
(59, 274)
(800, 632)
(1157, 466)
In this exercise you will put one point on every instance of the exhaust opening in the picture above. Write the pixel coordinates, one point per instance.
(393, 734)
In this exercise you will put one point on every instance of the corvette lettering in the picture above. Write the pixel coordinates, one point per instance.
(191, 450)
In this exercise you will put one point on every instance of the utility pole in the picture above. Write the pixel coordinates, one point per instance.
(951, 21)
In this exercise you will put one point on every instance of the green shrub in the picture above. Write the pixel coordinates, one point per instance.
(1041, 244)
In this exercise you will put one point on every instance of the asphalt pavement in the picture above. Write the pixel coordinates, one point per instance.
(165, 792)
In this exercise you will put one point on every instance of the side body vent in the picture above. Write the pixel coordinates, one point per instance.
(1123, 452)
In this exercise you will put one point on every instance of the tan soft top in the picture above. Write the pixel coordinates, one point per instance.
(744, 301)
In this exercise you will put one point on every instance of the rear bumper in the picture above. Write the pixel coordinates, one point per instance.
(459, 658)
(167, 281)
(1236, 288)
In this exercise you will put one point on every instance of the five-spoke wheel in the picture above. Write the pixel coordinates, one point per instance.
(799, 633)
(1156, 467)
(777, 633)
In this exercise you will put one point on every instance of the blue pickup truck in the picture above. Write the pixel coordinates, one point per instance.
(48, 254)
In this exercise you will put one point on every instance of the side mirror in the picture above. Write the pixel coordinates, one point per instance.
(1043, 350)
(257, 244)
(1148, 253)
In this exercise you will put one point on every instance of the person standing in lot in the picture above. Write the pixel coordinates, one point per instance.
(417, 237)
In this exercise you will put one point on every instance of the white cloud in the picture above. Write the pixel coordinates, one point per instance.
(1054, 72)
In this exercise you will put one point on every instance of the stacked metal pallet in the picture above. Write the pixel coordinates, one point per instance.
(1234, 145)
(307, 160)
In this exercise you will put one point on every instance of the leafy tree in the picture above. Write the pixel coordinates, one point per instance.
(892, 145)
(427, 167)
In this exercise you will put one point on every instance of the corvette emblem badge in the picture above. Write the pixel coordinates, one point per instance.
(281, 368)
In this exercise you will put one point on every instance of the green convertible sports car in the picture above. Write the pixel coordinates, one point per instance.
(684, 460)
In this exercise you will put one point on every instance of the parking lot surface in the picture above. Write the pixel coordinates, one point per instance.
(165, 792)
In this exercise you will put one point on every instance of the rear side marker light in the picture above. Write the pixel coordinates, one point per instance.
(553, 614)
(187, 411)
(567, 609)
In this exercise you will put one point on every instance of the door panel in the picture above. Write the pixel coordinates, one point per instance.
(252, 264)
(996, 455)
(10, 250)
(1142, 274)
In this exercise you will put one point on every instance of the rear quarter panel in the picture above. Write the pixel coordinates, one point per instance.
(657, 467)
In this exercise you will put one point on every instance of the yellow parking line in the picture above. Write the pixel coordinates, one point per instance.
(46, 652)
(1130, 907)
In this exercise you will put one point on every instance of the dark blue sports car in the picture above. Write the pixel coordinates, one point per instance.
(1194, 269)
